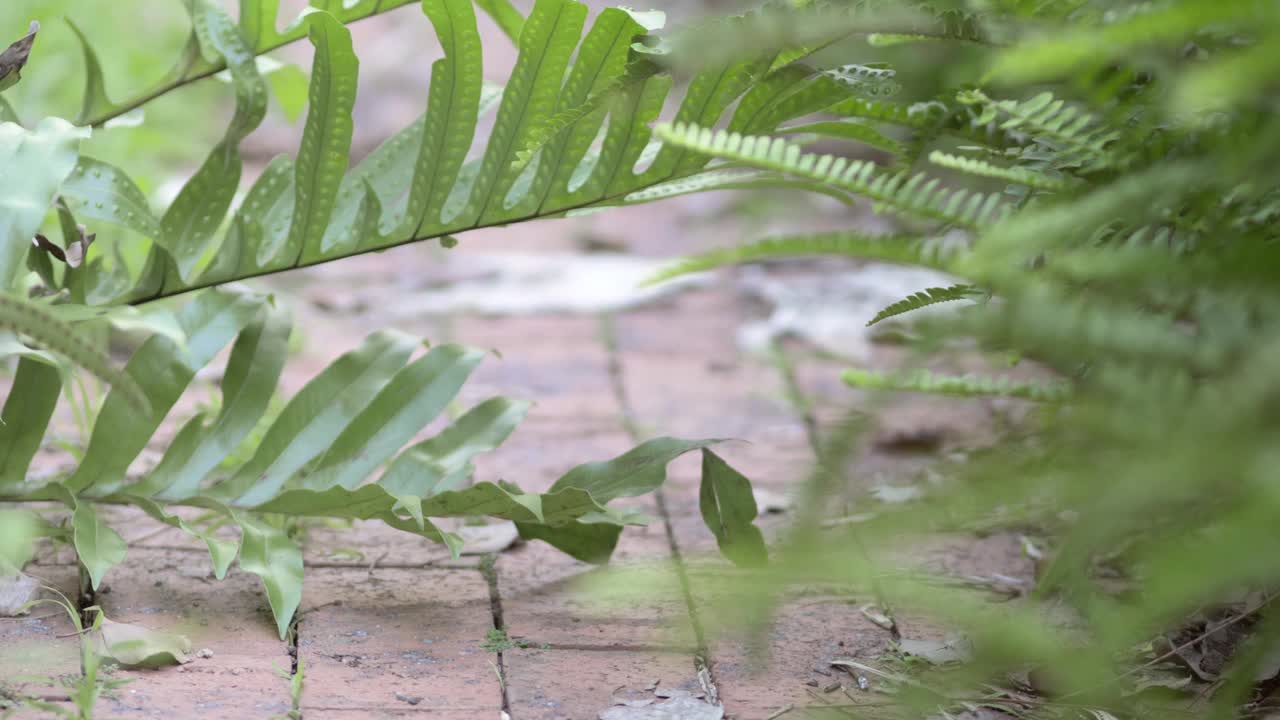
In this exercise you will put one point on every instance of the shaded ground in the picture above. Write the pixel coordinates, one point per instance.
(390, 626)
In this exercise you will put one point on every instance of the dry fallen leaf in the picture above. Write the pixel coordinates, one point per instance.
(137, 646)
(14, 58)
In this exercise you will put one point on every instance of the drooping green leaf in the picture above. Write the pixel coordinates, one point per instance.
(98, 546)
(268, 552)
(729, 509)
(589, 542)
(636, 472)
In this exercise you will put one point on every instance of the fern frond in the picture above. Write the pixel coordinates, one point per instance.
(913, 195)
(884, 248)
(1077, 135)
(1018, 175)
(925, 298)
(49, 332)
(925, 381)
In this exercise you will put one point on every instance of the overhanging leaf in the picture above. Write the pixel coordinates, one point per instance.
(729, 510)
(135, 646)
(266, 551)
(98, 546)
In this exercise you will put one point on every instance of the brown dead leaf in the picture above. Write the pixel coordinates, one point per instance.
(14, 58)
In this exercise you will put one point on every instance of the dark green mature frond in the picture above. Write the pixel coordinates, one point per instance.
(571, 127)
(318, 456)
(963, 385)
(848, 244)
(913, 195)
(925, 298)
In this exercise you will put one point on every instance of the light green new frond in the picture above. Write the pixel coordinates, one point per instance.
(1018, 175)
(1082, 139)
(925, 298)
(963, 385)
(849, 244)
(913, 195)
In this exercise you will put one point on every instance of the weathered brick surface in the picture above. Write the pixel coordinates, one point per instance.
(577, 685)
(367, 638)
(805, 636)
(175, 592)
(40, 648)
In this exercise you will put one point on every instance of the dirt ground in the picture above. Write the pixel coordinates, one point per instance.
(391, 626)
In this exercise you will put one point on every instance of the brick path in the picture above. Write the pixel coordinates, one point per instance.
(402, 629)
(391, 627)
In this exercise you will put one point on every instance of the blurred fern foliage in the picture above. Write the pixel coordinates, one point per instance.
(1113, 168)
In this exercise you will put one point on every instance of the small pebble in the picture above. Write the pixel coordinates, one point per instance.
(205, 653)
(411, 699)
(811, 683)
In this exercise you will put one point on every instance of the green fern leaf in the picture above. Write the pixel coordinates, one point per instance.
(915, 195)
(46, 330)
(1019, 175)
(191, 222)
(925, 298)
(99, 191)
(326, 139)
(963, 386)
